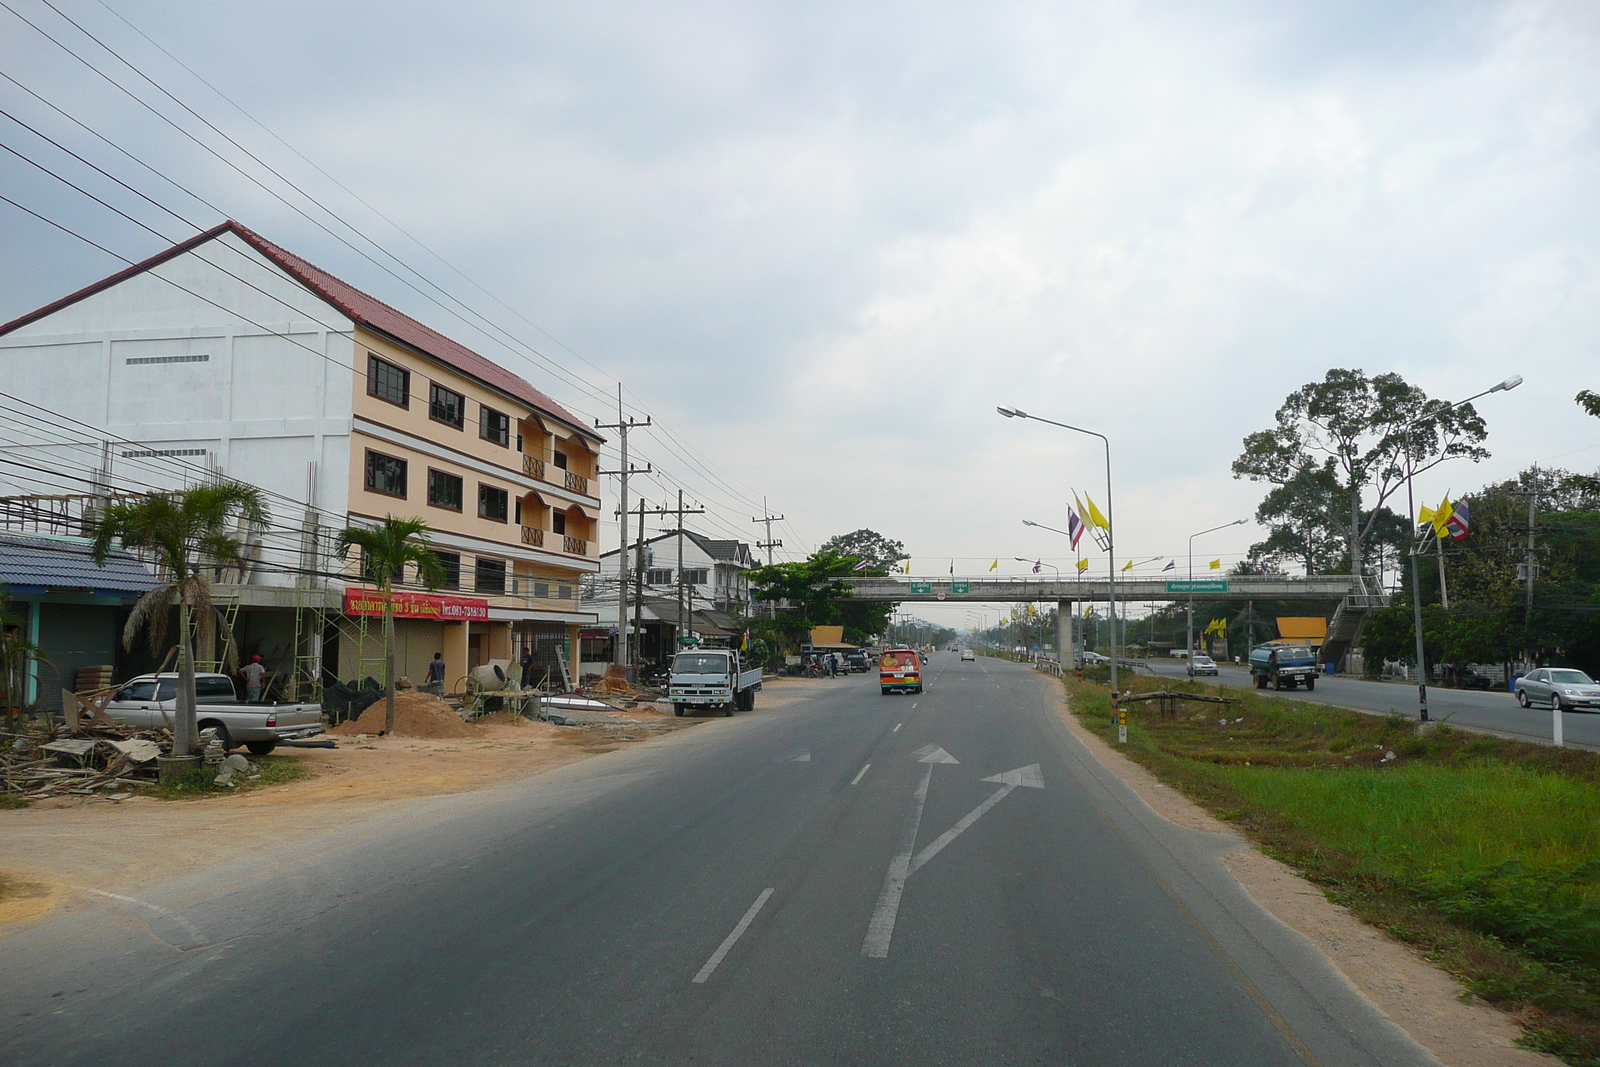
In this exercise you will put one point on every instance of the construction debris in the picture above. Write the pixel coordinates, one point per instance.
(87, 760)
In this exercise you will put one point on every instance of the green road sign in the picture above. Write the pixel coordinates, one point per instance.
(960, 587)
(922, 587)
(1199, 585)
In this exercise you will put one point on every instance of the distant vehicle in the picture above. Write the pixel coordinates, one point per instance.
(712, 678)
(1202, 665)
(968, 654)
(1091, 659)
(1561, 688)
(900, 671)
(857, 661)
(1179, 653)
(1471, 679)
(1283, 667)
(150, 701)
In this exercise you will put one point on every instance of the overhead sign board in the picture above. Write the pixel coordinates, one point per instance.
(922, 587)
(1199, 585)
(416, 605)
(960, 587)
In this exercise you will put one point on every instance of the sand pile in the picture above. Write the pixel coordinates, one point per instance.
(416, 714)
(615, 683)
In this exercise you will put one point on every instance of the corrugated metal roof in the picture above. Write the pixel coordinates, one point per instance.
(367, 310)
(43, 563)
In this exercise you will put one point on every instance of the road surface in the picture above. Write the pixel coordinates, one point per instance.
(850, 878)
(1495, 711)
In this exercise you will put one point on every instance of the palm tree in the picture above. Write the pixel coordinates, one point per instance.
(188, 534)
(385, 550)
(15, 652)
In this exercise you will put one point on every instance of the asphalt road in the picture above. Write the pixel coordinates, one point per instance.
(944, 878)
(1495, 711)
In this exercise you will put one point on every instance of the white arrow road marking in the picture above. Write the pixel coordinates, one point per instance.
(933, 754)
(1030, 777)
(171, 916)
(862, 773)
(729, 941)
(880, 928)
(798, 757)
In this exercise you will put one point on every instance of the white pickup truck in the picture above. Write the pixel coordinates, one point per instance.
(150, 701)
(712, 678)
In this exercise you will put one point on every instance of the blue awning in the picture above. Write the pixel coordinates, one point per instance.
(61, 565)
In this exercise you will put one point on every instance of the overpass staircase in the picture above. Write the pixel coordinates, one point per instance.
(1345, 626)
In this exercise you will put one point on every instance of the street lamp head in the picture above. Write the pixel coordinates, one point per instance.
(1012, 413)
(1029, 522)
(1510, 383)
(1238, 522)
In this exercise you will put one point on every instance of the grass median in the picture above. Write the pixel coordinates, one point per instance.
(1483, 852)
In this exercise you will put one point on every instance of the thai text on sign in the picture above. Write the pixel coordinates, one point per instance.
(416, 606)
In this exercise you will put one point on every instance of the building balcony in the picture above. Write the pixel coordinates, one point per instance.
(532, 535)
(575, 546)
(577, 483)
(533, 467)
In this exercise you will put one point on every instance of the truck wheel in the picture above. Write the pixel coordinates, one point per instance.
(750, 701)
(677, 709)
(1311, 683)
(221, 732)
(260, 748)
(1261, 681)
(727, 710)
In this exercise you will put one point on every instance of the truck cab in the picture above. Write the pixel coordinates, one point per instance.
(712, 678)
(1283, 666)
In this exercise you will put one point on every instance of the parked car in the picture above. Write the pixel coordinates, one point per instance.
(150, 700)
(1202, 665)
(1471, 679)
(857, 662)
(968, 654)
(1558, 687)
(1092, 659)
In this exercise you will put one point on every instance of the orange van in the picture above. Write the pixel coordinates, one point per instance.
(900, 671)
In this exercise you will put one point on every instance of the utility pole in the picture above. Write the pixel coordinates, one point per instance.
(769, 544)
(620, 655)
(638, 582)
(680, 511)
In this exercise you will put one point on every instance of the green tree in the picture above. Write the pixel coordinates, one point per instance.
(15, 653)
(880, 553)
(386, 549)
(1587, 484)
(817, 594)
(1350, 431)
(189, 534)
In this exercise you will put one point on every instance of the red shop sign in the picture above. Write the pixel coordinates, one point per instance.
(417, 606)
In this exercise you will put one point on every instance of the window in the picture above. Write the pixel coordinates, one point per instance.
(168, 690)
(388, 382)
(494, 425)
(541, 590)
(369, 571)
(146, 361)
(492, 503)
(558, 522)
(489, 576)
(138, 691)
(444, 490)
(450, 562)
(215, 689)
(695, 577)
(563, 592)
(447, 405)
(519, 513)
(658, 578)
(386, 474)
(559, 459)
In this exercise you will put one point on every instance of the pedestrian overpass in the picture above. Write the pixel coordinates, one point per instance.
(1348, 597)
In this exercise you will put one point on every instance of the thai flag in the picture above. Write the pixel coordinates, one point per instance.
(861, 566)
(1036, 567)
(1171, 565)
(1457, 524)
(1074, 527)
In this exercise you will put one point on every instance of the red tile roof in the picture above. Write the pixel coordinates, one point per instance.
(366, 310)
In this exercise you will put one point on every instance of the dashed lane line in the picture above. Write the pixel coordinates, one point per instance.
(733, 938)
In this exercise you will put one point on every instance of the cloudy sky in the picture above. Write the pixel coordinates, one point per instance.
(820, 241)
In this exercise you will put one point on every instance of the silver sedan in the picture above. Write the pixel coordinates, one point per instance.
(1559, 687)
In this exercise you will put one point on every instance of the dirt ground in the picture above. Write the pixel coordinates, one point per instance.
(61, 851)
(1421, 998)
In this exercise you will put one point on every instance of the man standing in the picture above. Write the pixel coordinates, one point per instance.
(527, 667)
(436, 675)
(254, 673)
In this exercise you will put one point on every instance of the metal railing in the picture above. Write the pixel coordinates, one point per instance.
(532, 535)
(577, 483)
(577, 546)
(533, 467)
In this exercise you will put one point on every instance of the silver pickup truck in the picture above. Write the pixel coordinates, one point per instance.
(150, 700)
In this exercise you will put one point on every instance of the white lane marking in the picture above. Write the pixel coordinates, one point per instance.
(729, 941)
(933, 754)
(880, 928)
(179, 920)
(1030, 777)
(897, 727)
(913, 705)
(862, 773)
(798, 757)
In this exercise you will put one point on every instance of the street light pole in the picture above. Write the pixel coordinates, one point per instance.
(1411, 506)
(1111, 552)
(1188, 648)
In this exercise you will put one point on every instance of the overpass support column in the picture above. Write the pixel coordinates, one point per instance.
(1064, 643)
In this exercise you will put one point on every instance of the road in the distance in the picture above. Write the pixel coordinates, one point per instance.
(1495, 711)
(847, 878)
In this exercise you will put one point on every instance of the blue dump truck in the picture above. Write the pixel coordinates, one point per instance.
(1283, 666)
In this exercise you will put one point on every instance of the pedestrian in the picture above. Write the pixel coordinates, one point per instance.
(436, 675)
(833, 664)
(527, 667)
(254, 673)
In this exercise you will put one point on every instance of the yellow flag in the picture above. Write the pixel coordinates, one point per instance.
(1128, 566)
(1083, 565)
(1441, 516)
(1088, 612)
(995, 565)
(1094, 514)
(1216, 564)
(908, 566)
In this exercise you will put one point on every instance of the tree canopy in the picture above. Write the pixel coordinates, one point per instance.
(815, 592)
(879, 552)
(1358, 438)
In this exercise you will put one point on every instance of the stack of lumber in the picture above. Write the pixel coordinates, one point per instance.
(92, 679)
